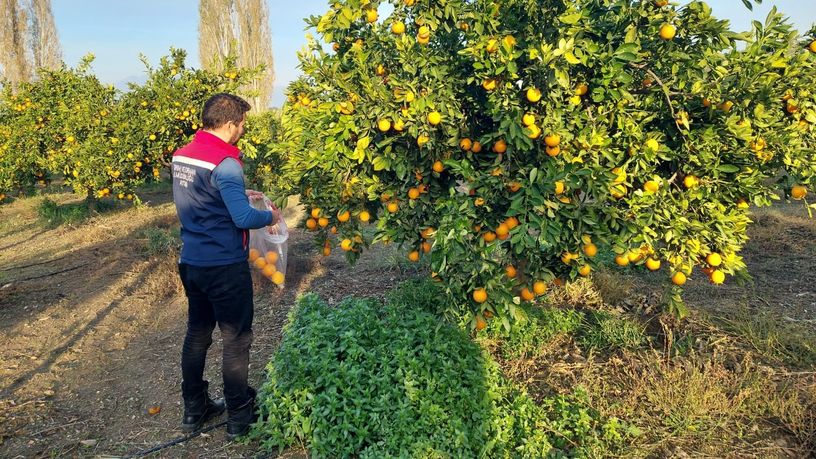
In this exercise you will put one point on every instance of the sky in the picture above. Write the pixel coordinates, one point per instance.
(118, 31)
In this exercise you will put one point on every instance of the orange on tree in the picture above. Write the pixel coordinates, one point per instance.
(798, 192)
(438, 167)
(585, 270)
(413, 255)
(678, 278)
(717, 277)
(476, 148)
(526, 294)
(480, 295)
(343, 216)
(500, 146)
(714, 259)
(510, 271)
(652, 264)
(539, 287)
(668, 31)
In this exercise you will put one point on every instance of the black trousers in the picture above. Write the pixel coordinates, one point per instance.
(217, 295)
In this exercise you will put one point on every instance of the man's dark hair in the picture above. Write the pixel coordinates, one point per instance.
(222, 108)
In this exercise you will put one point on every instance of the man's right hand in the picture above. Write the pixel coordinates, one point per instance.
(276, 217)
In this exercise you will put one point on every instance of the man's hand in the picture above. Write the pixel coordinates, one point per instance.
(254, 195)
(276, 217)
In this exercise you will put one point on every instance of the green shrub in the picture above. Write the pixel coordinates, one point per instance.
(372, 380)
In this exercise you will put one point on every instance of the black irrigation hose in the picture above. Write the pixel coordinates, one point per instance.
(177, 441)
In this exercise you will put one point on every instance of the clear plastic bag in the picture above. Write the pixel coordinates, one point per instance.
(268, 246)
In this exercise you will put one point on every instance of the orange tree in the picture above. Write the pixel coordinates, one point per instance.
(101, 142)
(516, 143)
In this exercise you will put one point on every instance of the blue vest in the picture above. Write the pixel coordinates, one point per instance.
(208, 234)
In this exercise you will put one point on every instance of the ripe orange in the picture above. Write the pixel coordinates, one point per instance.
(254, 254)
(278, 278)
(590, 250)
(535, 131)
(398, 28)
(480, 295)
(269, 270)
(514, 186)
(812, 46)
(364, 216)
(465, 144)
(477, 147)
(371, 16)
(622, 260)
(311, 224)
(511, 222)
(502, 229)
(434, 118)
(652, 264)
(413, 256)
(315, 212)
(526, 294)
(392, 206)
(651, 186)
(426, 247)
(714, 259)
(343, 216)
(438, 167)
(690, 181)
(384, 125)
(480, 323)
(413, 193)
(326, 250)
(539, 287)
(559, 187)
(489, 236)
(581, 89)
(345, 244)
(717, 277)
(500, 146)
(528, 119)
(552, 140)
(271, 257)
(668, 31)
(678, 278)
(492, 46)
(260, 263)
(798, 192)
(584, 270)
(533, 95)
(553, 151)
(510, 271)
(489, 84)
(323, 222)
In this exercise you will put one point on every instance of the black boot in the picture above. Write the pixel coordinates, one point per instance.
(240, 419)
(201, 409)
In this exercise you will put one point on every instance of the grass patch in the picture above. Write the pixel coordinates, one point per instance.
(602, 330)
(530, 339)
(53, 214)
(777, 341)
(372, 380)
(161, 241)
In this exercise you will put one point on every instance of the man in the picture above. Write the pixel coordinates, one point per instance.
(213, 207)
